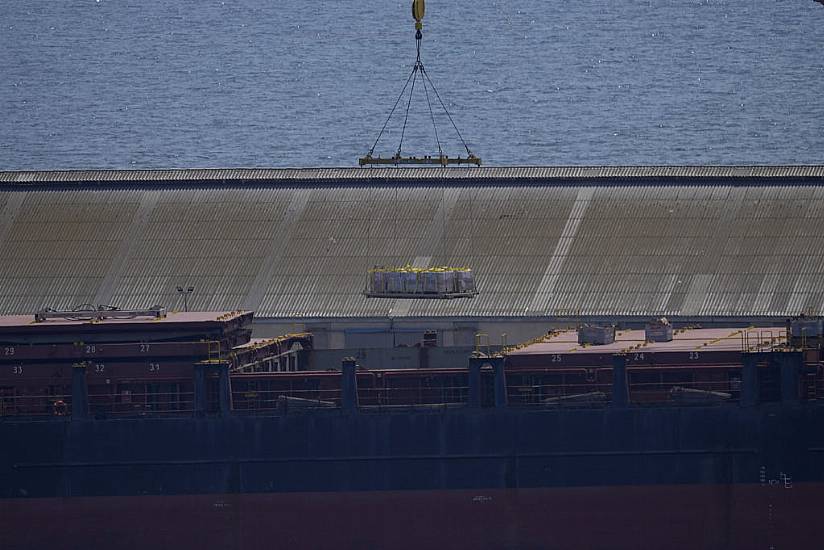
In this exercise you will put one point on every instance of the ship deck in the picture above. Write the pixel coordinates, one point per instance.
(696, 346)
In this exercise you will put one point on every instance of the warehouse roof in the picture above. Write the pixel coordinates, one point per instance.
(523, 174)
(737, 246)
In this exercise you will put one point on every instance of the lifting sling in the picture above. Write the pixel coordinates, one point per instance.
(418, 10)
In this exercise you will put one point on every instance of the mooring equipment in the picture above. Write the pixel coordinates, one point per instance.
(418, 11)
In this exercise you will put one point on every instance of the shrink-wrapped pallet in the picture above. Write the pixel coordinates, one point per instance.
(425, 282)
(465, 281)
(394, 282)
(430, 281)
(449, 284)
(377, 281)
(410, 282)
(470, 281)
(441, 279)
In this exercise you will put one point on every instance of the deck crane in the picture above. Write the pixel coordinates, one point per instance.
(418, 11)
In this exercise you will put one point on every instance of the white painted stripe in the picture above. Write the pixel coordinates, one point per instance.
(799, 295)
(697, 294)
(9, 214)
(433, 242)
(257, 291)
(543, 294)
(664, 297)
(140, 220)
(761, 304)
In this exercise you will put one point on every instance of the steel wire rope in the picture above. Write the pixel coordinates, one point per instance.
(397, 101)
(445, 110)
(409, 103)
(432, 116)
(413, 78)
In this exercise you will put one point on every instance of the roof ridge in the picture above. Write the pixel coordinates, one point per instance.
(353, 174)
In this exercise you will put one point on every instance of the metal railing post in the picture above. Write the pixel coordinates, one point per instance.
(749, 380)
(224, 389)
(500, 382)
(790, 363)
(80, 392)
(620, 388)
(200, 390)
(474, 397)
(349, 385)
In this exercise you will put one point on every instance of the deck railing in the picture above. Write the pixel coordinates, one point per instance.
(378, 399)
(283, 401)
(127, 403)
(376, 391)
(36, 405)
(559, 395)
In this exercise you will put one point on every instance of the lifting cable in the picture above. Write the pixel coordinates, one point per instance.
(372, 150)
(408, 103)
(445, 110)
(418, 9)
(432, 115)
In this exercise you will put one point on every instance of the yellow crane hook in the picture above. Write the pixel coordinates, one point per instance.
(418, 10)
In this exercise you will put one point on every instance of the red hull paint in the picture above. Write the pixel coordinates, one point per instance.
(615, 518)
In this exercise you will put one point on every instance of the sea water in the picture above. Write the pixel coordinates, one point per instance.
(213, 83)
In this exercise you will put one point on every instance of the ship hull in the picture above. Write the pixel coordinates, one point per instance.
(619, 517)
(637, 478)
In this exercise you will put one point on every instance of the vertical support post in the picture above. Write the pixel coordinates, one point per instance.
(620, 388)
(423, 357)
(749, 380)
(474, 397)
(80, 392)
(349, 385)
(500, 382)
(200, 390)
(790, 364)
(224, 389)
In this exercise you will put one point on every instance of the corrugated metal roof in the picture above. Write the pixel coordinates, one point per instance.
(301, 251)
(434, 174)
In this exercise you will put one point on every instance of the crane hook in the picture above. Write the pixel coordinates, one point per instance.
(418, 11)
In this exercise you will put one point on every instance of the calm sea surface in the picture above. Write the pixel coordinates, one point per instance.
(205, 83)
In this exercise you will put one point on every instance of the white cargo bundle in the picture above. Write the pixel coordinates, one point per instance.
(430, 282)
(412, 282)
(377, 280)
(465, 280)
(394, 282)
